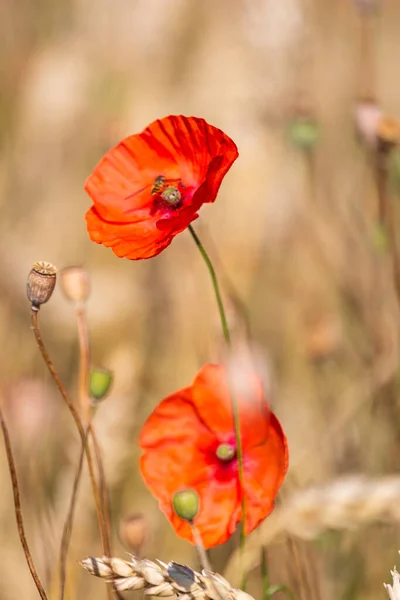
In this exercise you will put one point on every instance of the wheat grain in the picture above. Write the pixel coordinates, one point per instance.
(170, 580)
(346, 503)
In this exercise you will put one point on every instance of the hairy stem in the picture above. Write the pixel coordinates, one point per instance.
(235, 408)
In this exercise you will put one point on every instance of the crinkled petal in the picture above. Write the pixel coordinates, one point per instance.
(265, 468)
(128, 240)
(212, 397)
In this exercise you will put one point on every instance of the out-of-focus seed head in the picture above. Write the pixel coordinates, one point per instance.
(186, 504)
(368, 115)
(304, 132)
(134, 532)
(75, 284)
(41, 283)
(388, 134)
(100, 381)
(394, 168)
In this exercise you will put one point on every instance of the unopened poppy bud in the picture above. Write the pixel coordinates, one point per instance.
(75, 284)
(304, 133)
(134, 532)
(100, 381)
(186, 504)
(41, 283)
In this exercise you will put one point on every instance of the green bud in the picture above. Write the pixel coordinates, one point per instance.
(380, 238)
(186, 504)
(100, 381)
(304, 133)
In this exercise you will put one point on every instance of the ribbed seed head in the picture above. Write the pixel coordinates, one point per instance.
(41, 283)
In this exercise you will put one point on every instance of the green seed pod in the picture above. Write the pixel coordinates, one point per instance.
(380, 239)
(41, 283)
(304, 133)
(171, 195)
(186, 504)
(100, 381)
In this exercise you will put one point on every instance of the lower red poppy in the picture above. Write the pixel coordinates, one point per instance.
(189, 442)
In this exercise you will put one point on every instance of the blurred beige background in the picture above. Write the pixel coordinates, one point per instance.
(295, 243)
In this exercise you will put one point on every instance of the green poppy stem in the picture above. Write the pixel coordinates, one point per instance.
(235, 408)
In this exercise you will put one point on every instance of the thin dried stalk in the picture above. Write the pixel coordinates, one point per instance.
(346, 503)
(79, 426)
(18, 510)
(170, 580)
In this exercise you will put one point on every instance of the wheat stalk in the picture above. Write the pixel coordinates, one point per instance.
(171, 581)
(347, 503)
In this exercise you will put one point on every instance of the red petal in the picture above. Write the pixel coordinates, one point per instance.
(128, 240)
(265, 467)
(175, 443)
(219, 513)
(177, 147)
(212, 397)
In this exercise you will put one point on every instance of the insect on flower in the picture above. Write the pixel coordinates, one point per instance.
(158, 184)
(151, 185)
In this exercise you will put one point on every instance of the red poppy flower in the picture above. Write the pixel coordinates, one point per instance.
(189, 442)
(149, 187)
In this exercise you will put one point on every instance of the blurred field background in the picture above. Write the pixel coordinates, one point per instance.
(294, 237)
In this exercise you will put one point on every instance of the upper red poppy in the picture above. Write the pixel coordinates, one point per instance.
(150, 186)
(189, 442)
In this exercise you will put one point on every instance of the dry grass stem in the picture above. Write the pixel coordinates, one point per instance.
(18, 510)
(170, 580)
(346, 503)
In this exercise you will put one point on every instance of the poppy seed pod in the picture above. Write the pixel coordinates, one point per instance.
(41, 283)
(134, 532)
(75, 284)
(186, 504)
(100, 381)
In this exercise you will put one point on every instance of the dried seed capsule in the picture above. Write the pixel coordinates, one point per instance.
(134, 531)
(186, 504)
(75, 284)
(41, 283)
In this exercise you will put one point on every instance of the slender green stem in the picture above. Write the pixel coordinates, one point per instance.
(235, 408)
(215, 284)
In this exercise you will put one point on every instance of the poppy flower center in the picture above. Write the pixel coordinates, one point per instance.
(171, 195)
(226, 452)
(166, 192)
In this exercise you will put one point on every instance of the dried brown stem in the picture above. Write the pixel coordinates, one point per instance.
(386, 216)
(18, 510)
(67, 530)
(79, 426)
(84, 353)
